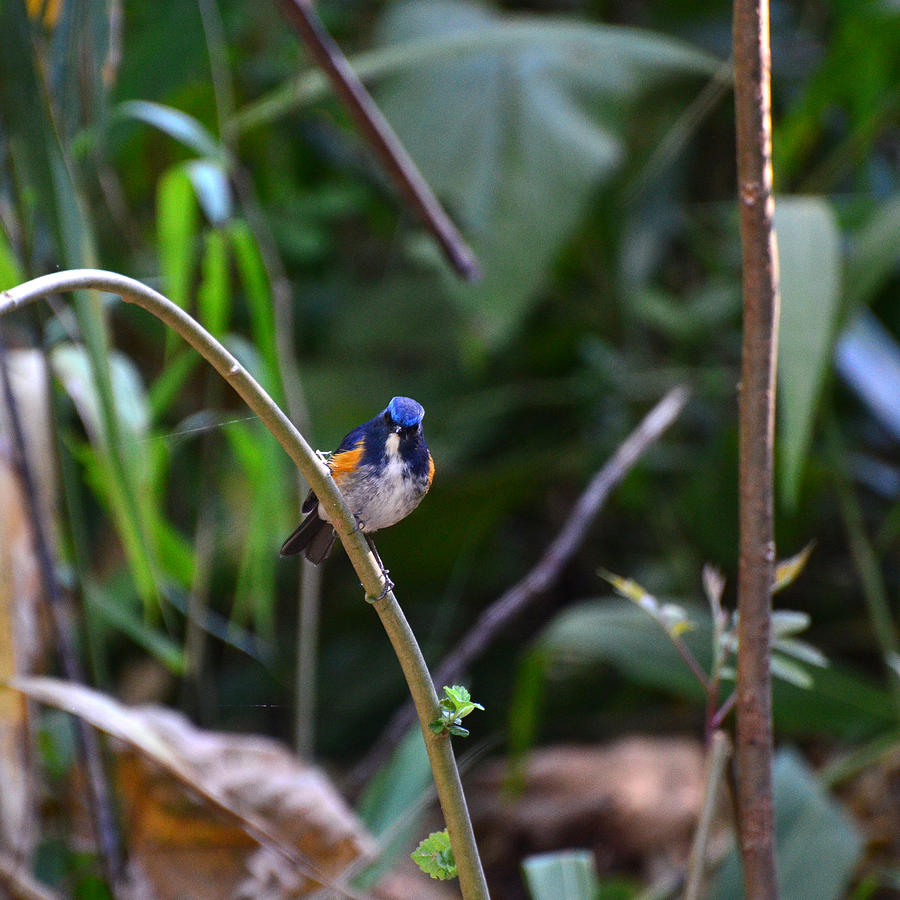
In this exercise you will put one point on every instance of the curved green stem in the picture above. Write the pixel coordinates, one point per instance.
(440, 751)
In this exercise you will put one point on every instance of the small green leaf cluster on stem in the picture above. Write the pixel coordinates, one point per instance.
(455, 705)
(434, 856)
(788, 651)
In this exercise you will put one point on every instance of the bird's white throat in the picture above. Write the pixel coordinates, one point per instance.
(392, 445)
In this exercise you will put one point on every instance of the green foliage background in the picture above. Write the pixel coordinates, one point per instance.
(586, 150)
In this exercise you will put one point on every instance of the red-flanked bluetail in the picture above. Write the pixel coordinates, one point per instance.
(383, 468)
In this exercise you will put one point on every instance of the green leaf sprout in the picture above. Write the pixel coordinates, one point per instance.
(455, 705)
(434, 856)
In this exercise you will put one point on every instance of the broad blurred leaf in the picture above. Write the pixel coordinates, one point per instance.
(173, 122)
(612, 632)
(564, 875)
(10, 272)
(868, 359)
(515, 122)
(72, 366)
(176, 211)
(263, 464)
(117, 468)
(818, 844)
(260, 302)
(394, 802)
(397, 787)
(840, 702)
(291, 810)
(213, 294)
(210, 181)
(810, 275)
(117, 612)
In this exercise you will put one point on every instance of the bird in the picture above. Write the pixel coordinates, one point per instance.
(383, 468)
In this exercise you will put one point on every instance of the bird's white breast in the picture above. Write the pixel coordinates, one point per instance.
(380, 498)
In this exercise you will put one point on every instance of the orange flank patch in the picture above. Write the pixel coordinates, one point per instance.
(430, 469)
(346, 462)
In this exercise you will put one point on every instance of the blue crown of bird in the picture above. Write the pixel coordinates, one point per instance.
(383, 469)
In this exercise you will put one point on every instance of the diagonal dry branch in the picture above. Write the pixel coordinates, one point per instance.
(511, 603)
(378, 132)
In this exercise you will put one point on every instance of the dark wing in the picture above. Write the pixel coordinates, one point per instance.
(313, 537)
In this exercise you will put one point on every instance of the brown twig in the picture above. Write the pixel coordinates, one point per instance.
(378, 132)
(517, 598)
(757, 407)
(99, 799)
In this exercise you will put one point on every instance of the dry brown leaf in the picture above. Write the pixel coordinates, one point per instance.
(634, 803)
(17, 584)
(296, 799)
(197, 843)
(871, 796)
(30, 386)
(21, 644)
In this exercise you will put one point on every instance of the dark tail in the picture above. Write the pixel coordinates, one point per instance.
(313, 538)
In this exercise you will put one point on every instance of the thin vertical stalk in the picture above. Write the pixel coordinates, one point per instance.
(757, 415)
(717, 753)
(307, 660)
